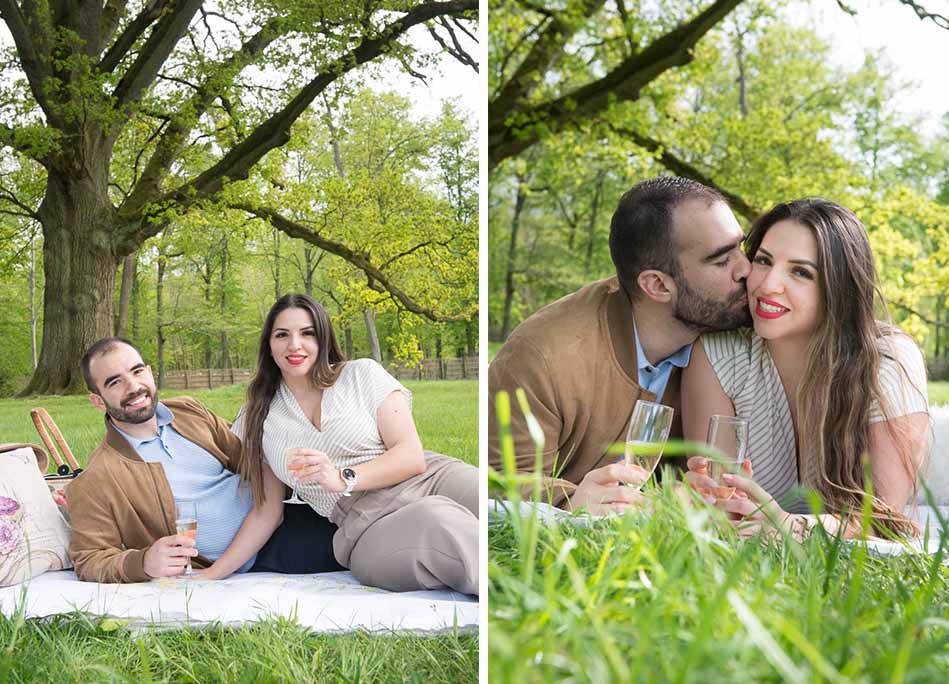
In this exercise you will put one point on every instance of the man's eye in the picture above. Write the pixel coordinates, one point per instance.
(723, 262)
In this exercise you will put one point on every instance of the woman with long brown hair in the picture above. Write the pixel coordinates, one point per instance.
(341, 434)
(831, 393)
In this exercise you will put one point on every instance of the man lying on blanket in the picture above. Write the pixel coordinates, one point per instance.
(122, 507)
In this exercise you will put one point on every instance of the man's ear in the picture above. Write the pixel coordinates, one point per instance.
(657, 286)
(97, 401)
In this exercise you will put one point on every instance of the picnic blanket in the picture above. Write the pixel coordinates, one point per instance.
(327, 602)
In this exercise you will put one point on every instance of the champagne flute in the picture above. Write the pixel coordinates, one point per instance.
(728, 434)
(186, 523)
(293, 465)
(649, 425)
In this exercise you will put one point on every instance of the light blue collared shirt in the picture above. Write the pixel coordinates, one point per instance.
(655, 378)
(196, 475)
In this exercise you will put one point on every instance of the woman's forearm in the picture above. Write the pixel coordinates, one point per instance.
(402, 461)
(257, 528)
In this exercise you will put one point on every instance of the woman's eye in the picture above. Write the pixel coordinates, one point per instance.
(764, 261)
(803, 273)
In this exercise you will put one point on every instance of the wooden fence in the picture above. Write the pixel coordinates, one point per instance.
(463, 368)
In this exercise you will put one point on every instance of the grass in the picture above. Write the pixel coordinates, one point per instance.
(75, 648)
(673, 596)
(939, 393)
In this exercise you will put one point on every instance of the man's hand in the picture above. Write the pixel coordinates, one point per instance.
(310, 466)
(600, 491)
(168, 556)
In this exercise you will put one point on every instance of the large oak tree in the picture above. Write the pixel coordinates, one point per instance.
(111, 98)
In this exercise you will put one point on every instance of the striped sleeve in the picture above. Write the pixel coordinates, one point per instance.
(902, 379)
(729, 354)
(378, 384)
(237, 427)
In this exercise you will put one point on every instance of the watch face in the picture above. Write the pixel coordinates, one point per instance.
(349, 474)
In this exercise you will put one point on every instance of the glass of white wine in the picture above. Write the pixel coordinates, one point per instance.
(293, 465)
(186, 523)
(650, 425)
(728, 434)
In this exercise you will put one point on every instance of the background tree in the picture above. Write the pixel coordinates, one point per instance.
(87, 84)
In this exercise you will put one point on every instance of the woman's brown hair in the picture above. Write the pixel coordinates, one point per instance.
(841, 377)
(266, 380)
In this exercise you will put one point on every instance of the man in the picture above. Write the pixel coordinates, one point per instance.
(586, 359)
(122, 507)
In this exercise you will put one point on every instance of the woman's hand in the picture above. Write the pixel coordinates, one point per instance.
(757, 512)
(309, 466)
(698, 478)
(211, 573)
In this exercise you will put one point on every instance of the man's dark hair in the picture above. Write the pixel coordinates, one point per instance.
(106, 344)
(641, 230)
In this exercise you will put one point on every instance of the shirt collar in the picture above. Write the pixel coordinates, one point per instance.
(679, 358)
(163, 415)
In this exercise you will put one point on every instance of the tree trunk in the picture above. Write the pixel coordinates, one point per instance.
(159, 323)
(80, 266)
(276, 264)
(370, 317)
(136, 292)
(591, 230)
(471, 338)
(208, 273)
(348, 340)
(33, 315)
(128, 277)
(225, 356)
(511, 256)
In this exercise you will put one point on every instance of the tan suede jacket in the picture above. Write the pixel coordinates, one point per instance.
(120, 505)
(576, 360)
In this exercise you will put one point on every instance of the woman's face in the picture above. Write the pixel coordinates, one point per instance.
(783, 287)
(293, 343)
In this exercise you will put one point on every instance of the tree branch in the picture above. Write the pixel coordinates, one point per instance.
(548, 46)
(147, 188)
(167, 32)
(120, 48)
(924, 319)
(938, 19)
(682, 168)
(31, 46)
(275, 131)
(508, 138)
(357, 259)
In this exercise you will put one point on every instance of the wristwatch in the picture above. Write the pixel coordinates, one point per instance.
(349, 477)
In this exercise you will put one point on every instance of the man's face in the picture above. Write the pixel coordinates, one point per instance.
(711, 293)
(125, 388)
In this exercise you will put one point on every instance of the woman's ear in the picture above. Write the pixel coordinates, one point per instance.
(658, 286)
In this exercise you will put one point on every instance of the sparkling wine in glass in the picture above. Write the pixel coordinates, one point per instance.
(294, 464)
(728, 434)
(649, 426)
(186, 523)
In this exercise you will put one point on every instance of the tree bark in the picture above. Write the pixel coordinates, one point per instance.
(594, 210)
(33, 316)
(370, 317)
(471, 338)
(511, 256)
(348, 340)
(80, 267)
(225, 355)
(125, 295)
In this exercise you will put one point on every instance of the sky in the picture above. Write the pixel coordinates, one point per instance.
(919, 49)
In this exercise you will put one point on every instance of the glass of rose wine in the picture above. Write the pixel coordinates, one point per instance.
(186, 523)
(294, 464)
(649, 426)
(728, 434)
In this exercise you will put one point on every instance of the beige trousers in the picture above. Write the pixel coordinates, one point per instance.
(418, 534)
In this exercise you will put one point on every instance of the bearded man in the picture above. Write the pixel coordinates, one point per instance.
(586, 359)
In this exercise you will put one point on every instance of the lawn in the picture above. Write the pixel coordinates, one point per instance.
(939, 393)
(674, 596)
(77, 649)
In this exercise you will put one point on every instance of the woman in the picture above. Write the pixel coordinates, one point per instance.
(821, 381)
(407, 518)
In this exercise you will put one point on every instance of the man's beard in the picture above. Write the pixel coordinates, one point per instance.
(707, 314)
(136, 416)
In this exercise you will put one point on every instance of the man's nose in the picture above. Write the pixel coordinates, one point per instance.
(742, 268)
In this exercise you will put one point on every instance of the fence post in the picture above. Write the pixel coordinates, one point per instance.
(186, 378)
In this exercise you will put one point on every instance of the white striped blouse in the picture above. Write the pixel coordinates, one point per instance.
(348, 431)
(749, 377)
